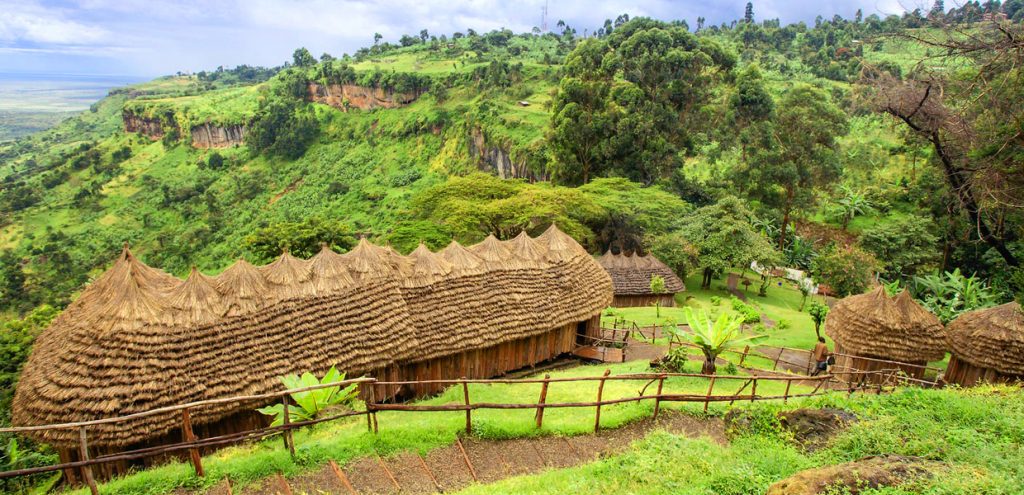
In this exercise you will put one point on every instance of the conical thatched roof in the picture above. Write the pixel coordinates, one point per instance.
(138, 339)
(631, 275)
(877, 326)
(990, 338)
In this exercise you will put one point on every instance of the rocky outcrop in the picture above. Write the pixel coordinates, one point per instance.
(151, 128)
(496, 159)
(867, 474)
(346, 96)
(214, 136)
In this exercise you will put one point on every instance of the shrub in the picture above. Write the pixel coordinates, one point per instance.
(715, 300)
(748, 313)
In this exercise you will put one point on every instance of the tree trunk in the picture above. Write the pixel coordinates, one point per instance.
(817, 330)
(709, 367)
(705, 283)
(785, 218)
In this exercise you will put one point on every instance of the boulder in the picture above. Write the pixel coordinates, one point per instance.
(854, 477)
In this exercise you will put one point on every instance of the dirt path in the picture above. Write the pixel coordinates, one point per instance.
(473, 461)
(789, 360)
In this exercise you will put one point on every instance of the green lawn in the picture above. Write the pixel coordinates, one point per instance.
(781, 305)
(422, 431)
(973, 435)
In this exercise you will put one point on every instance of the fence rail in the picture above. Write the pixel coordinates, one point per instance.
(192, 444)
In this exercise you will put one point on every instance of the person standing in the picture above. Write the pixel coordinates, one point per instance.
(820, 355)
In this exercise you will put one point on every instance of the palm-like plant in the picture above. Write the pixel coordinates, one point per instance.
(713, 337)
(950, 294)
(853, 204)
(311, 402)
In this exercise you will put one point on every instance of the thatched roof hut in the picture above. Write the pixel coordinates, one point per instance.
(631, 277)
(987, 345)
(139, 339)
(876, 326)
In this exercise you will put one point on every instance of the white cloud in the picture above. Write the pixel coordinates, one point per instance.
(33, 23)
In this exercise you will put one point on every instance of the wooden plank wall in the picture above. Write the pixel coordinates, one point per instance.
(667, 301)
(966, 374)
(846, 363)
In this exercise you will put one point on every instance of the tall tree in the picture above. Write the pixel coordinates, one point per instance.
(302, 58)
(748, 13)
(802, 153)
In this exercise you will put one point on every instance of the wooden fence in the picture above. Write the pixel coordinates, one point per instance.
(192, 444)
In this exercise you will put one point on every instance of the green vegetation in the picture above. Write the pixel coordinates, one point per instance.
(973, 434)
(312, 403)
(713, 337)
(347, 439)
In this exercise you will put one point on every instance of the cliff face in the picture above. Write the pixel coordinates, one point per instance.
(359, 97)
(496, 159)
(150, 128)
(212, 136)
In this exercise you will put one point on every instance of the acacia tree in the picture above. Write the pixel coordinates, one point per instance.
(801, 154)
(725, 237)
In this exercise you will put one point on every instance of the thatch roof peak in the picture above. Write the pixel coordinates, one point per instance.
(197, 299)
(243, 287)
(527, 249)
(491, 250)
(463, 261)
(990, 338)
(329, 270)
(369, 260)
(560, 246)
(425, 267)
(878, 326)
(286, 270)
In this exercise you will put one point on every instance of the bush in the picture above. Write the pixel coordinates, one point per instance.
(846, 270)
(746, 311)
(715, 300)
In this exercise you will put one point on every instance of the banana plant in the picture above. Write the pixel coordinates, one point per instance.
(311, 403)
(714, 337)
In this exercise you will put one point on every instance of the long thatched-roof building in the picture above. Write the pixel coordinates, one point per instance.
(873, 331)
(138, 339)
(987, 345)
(631, 279)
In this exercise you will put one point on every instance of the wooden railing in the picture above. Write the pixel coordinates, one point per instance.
(192, 444)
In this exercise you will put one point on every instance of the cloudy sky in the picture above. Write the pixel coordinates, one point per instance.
(155, 37)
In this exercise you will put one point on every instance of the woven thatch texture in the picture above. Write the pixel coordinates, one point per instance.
(631, 275)
(877, 326)
(138, 339)
(990, 338)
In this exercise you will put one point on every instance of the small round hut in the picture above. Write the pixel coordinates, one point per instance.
(987, 346)
(873, 331)
(631, 279)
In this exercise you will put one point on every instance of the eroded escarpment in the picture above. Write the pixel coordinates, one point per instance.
(218, 136)
(149, 127)
(496, 159)
(346, 96)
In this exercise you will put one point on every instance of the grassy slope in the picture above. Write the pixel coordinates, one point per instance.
(976, 435)
(347, 439)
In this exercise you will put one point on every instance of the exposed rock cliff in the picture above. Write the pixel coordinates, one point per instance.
(337, 95)
(496, 159)
(151, 128)
(213, 136)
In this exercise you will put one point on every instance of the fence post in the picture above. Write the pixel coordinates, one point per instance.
(189, 436)
(469, 412)
(785, 396)
(289, 442)
(753, 390)
(746, 349)
(540, 402)
(707, 398)
(657, 401)
(775, 367)
(83, 453)
(600, 392)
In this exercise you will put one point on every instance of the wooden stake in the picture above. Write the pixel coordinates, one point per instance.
(465, 457)
(657, 401)
(341, 477)
(777, 358)
(746, 349)
(289, 442)
(753, 390)
(600, 392)
(285, 489)
(83, 452)
(388, 472)
(785, 396)
(707, 398)
(189, 436)
(540, 402)
(469, 412)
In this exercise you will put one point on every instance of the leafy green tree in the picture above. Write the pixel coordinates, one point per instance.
(803, 155)
(713, 337)
(302, 58)
(302, 239)
(951, 294)
(283, 128)
(818, 311)
(215, 161)
(675, 251)
(903, 246)
(16, 338)
(725, 238)
(657, 287)
(581, 122)
(851, 204)
(847, 270)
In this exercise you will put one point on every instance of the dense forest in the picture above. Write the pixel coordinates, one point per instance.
(861, 150)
